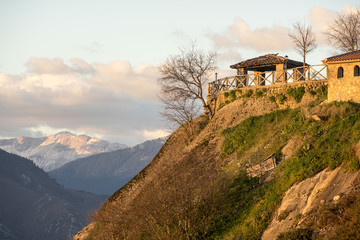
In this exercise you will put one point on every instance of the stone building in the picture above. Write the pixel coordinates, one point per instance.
(343, 74)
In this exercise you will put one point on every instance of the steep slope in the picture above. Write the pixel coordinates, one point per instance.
(54, 151)
(204, 189)
(174, 174)
(33, 206)
(105, 173)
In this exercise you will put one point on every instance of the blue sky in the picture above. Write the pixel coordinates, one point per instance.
(91, 66)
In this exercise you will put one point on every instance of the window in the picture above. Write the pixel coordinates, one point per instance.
(340, 72)
(356, 71)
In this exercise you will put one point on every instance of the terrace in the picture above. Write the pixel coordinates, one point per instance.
(267, 70)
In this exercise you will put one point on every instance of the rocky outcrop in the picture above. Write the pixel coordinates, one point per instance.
(303, 198)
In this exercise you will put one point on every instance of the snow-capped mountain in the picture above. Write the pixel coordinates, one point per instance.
(56, 150)
(104, 173)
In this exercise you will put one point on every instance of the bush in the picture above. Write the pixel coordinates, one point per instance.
(259, 94)
(322, 92)
(272, 99)
(296, 93)
(227, 102)
(248, 93)
(232, 95)
(312, 92)
(281, 98)
(221, 105)
(226, 94)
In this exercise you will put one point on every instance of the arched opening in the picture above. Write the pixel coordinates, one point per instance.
(340, 72)
(356, 71)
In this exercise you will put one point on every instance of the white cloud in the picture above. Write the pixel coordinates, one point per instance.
(320, 19)
(239, 34)
(47, 66)
(113, 99)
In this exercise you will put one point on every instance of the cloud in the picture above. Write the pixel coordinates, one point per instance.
(115, 99)
(239, 34)
(320, 19)
(47, 66)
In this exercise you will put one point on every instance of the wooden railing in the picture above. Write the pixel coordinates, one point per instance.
(306, 73)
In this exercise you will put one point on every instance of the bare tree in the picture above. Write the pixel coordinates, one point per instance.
(344, 33)
(183, 82)
(304, 39)
(180, 111)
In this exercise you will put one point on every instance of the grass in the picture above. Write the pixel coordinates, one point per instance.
(328, 144)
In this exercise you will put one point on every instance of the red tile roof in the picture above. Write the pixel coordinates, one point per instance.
(344, 57)
(268, 59)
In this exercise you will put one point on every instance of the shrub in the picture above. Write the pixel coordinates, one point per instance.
(296, 93)
(322, 92)
(226, 94)
(312, 92)
(232, 95)
(221, 105)
(259, 94)
(272, 99)
(249, 93)
(227, 102)
(281, 98)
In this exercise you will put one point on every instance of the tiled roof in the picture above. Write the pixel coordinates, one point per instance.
(268, 59)
(344, 57)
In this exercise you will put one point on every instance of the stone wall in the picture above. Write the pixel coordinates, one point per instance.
(268, 90)
(346, 88)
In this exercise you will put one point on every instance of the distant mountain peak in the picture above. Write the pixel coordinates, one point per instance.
(54, 151)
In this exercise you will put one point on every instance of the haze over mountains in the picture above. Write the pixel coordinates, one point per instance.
(56, 150)
(34, 206)
(104, 173)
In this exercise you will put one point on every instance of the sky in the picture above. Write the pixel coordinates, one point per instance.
(91, 67)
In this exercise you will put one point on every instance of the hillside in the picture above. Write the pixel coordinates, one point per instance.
(221, 184)
(34, 206)
(104, 173)
(56, 150)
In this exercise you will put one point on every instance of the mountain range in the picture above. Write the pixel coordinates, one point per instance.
(34, 206)
(56, 150)
(104, 173)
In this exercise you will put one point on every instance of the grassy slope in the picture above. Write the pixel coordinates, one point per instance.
(200, 191)
(328, 144)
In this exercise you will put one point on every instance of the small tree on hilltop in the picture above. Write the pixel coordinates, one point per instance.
(184, 78)
(344, 32)
(304, 39)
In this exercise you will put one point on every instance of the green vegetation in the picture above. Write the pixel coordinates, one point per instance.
(281, 98)
(232, 95)
(226, 94)
(234, 205)
(221, 105)
(321, 92)
(248, 93)
(259, 94)
(296, 93)
(328, 144)
(272, 99)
